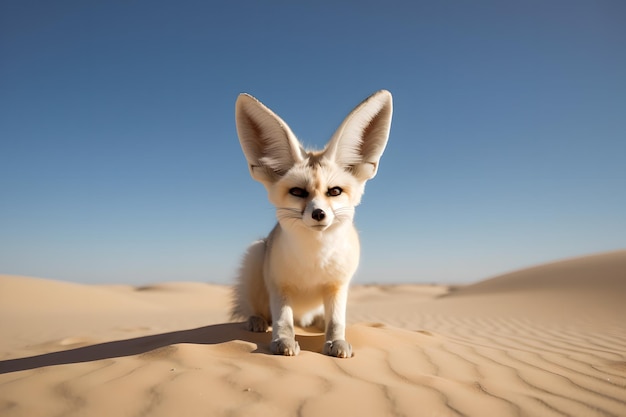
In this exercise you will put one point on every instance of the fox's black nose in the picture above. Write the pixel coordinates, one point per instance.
(318, 214)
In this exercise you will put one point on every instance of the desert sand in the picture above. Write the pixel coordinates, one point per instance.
(544, 341)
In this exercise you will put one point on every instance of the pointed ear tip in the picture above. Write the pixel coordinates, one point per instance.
(245, 97)
(383, 96)
(244, 103)
(386, 93)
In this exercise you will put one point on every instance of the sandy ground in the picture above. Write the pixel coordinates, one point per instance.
(545, 341)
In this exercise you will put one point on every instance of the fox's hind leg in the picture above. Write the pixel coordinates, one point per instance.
(257, 324)
(251, 300)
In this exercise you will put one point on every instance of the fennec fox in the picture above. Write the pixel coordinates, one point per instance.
(302, 270)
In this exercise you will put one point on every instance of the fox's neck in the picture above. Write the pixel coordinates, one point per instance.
(304, 235)
(332, 254)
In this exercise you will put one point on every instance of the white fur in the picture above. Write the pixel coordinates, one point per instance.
(302, 270)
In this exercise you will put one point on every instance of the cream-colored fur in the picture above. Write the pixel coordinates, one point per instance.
(302, 270)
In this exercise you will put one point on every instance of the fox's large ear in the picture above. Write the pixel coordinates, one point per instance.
(269, 145)
(359, 142)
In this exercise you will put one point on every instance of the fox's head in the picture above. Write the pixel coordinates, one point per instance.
(314, 189)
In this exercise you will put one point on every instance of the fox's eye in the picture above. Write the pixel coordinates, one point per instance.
(334, 192)
(299, 192)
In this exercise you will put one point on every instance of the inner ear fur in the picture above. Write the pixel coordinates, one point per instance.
(360, 140)
(269, 145)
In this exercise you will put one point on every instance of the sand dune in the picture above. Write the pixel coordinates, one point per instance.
(545, 341)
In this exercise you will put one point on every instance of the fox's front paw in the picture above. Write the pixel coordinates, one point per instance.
(287, 347)
(257, 324)
(338, 349)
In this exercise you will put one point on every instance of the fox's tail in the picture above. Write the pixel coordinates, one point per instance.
(250, 297)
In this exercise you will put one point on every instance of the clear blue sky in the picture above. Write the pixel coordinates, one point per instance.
(119, 160)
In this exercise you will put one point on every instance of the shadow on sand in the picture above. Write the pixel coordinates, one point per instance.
(208, 335)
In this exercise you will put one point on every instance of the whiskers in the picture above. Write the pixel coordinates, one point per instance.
(288, 214)
(344, 214)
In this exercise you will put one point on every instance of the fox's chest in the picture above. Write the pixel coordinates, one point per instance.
(312, 262)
